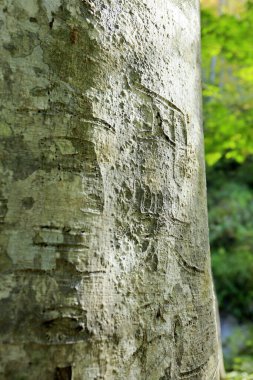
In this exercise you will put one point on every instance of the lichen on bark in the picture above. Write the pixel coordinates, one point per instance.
(105, 269)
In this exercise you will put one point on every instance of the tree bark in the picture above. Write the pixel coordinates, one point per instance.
(105, 268)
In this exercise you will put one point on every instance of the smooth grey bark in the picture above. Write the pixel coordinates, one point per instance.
(105, 268)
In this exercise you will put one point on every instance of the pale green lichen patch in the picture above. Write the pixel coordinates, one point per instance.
(65, 147)
(7, 284)
(5, 130)
(29, 6)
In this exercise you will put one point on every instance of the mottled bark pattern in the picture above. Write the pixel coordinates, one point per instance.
(105, 270)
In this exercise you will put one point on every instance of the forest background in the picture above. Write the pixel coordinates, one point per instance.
(227, 71)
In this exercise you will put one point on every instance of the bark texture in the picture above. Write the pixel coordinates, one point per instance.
(105, 270)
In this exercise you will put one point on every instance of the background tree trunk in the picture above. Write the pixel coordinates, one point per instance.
(105, 269)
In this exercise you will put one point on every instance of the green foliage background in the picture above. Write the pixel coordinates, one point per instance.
(227, 71)
(227, 62)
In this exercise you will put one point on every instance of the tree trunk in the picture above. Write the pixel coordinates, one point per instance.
(105, 268)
